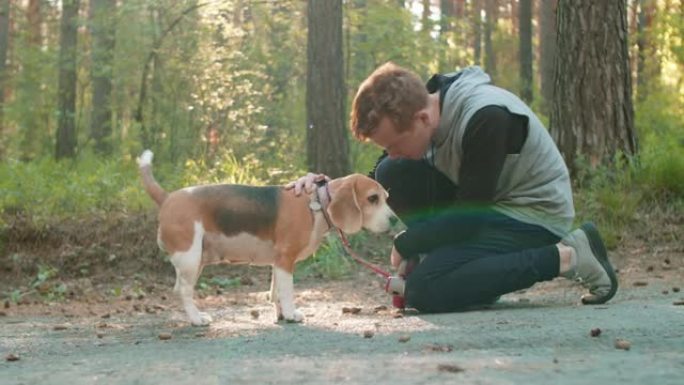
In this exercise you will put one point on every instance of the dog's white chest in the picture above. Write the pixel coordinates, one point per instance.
(242, 248)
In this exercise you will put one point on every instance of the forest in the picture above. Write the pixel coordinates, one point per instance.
(258, 92)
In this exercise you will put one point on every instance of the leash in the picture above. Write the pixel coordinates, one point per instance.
(394, 284)
(347, 247)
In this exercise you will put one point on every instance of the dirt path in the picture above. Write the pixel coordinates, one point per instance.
(539, 336)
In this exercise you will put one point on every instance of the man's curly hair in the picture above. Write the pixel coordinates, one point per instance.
(390, 91)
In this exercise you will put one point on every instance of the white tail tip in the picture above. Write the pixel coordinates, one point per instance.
(145, 159)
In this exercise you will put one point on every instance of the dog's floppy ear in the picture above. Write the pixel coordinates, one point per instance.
(344, 209)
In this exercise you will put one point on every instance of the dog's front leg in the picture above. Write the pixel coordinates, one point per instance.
(283, 286)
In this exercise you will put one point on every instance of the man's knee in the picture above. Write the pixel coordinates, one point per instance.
(420, 293)
(429, 294)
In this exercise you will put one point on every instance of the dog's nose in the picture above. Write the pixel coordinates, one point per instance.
(393, 220)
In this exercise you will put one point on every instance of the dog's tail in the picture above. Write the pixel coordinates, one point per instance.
(151, 186)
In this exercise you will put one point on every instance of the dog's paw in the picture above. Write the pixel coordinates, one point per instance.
(202, 319)
(295, 317)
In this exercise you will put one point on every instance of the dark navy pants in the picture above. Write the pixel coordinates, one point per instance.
(491, 254)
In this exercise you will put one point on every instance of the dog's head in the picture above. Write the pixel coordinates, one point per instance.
(359, 202)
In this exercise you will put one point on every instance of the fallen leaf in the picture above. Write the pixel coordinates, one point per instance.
(451, 368)
(351, 310)
(443, 348)
(165, 336)
(622, 344)
(12, 357)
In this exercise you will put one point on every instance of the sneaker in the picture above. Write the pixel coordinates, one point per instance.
(592, 267)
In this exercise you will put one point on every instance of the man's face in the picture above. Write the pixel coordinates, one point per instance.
(409, 144)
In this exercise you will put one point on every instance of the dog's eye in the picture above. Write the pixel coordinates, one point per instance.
(373, 198)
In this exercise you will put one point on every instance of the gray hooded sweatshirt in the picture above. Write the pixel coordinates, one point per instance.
(534, 185)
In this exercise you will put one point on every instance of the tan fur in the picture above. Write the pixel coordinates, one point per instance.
(293, 235)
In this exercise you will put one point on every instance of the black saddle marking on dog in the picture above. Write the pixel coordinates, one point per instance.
(244, 208)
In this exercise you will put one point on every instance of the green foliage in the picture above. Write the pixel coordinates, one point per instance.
(224, 169)
(609, 197)
(364, 155)
(659, 124)
(46, 190)
(383, 32)
(32, 109)
(613, 195)
(662, 175)
(329, 261)
(217, 282)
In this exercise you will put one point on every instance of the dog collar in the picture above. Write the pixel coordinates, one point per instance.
(320, 200)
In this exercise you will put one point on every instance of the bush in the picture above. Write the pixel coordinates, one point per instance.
(661, 133)
(45, 189)
(608, 196)
(614, 195)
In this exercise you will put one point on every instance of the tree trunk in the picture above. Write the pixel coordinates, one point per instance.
(490, 27)
(102, 54)
(66, 129)
(515, 13)
(4, 46)
(327, 140)
(547, 51)
(593, 116)
(445, 19)
(525, 20)
(647, 57)
(35, 22)
(359, 57)
(477, 32)
(447, 8)
(426, 23)
(461, 35)
(30, 83)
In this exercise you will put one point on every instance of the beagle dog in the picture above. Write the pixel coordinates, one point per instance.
(269, 225)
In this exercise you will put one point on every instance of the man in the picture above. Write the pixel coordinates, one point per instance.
(481, 186)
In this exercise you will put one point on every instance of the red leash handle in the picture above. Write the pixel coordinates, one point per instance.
(392, 283)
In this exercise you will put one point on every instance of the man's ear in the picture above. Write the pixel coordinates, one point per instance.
(422, 115)
(344, 209)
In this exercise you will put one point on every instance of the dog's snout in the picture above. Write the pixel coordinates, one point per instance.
(393, 220)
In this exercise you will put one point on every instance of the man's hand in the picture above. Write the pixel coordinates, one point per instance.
(395, 258)
(306, 183)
